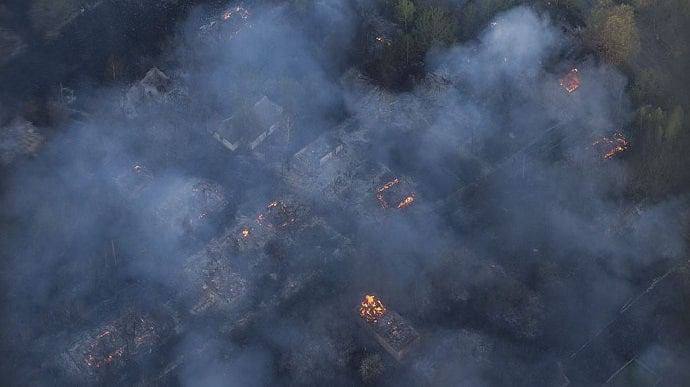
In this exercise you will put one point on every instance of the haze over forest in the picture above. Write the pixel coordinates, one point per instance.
(344, 192)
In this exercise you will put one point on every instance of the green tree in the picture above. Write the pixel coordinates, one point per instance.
(435, 26)
(613, 32)
(674, 124)
(405, 10)
(651, 121)
(649, 85)
(476, 14)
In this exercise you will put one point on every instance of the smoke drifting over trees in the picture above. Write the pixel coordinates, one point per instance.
(227, 192)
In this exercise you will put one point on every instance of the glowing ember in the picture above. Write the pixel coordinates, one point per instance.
(147, 332)
(380, 192)
(612, 146)
(571, 81)
(388, 185)
(93, 361)
(111, 344)
(408, 201)
(277, 214)
(383, 40)
(371, 308)
(239, 11)
(99, 355)
(384, 193)
(246, 231)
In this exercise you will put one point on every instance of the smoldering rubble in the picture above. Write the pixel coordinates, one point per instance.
(255, 211)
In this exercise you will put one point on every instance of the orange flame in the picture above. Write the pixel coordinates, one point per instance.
(371, 308)
(93, 360)
(613, 145)
(388, 185)
(408, 201)
(278, 215)
(382, 190)
(383, 40)
(246, 231)
(571, 81)
(242, 12)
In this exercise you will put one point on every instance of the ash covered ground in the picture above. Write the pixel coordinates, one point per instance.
(242, 199)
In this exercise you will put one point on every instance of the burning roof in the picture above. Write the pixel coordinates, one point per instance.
(277, 215)
(234, 13)
(224, 275)
(571, 81)
(371, 308)
(227, 24)
(113, 344)
(394, 193)
(393, 332)
(289, 234)
(611, 146)
(379, 31)
(355, 186)
(252, 233)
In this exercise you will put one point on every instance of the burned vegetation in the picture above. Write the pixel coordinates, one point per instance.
(333, 192)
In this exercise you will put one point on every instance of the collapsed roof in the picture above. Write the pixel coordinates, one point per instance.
(118, 342)
(247, 130)
(155, 89)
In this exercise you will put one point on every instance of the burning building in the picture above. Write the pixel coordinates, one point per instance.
(235, 13)
(377, 191)
(262, 262)
(379, 34)
(332, 169)
(287, 232)
(278, 216)
(248, 130)
(109, 349)
(227, 24)
(571, 81)
(395, 193)
(611, 146)
(390, 330)
(221, 273)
